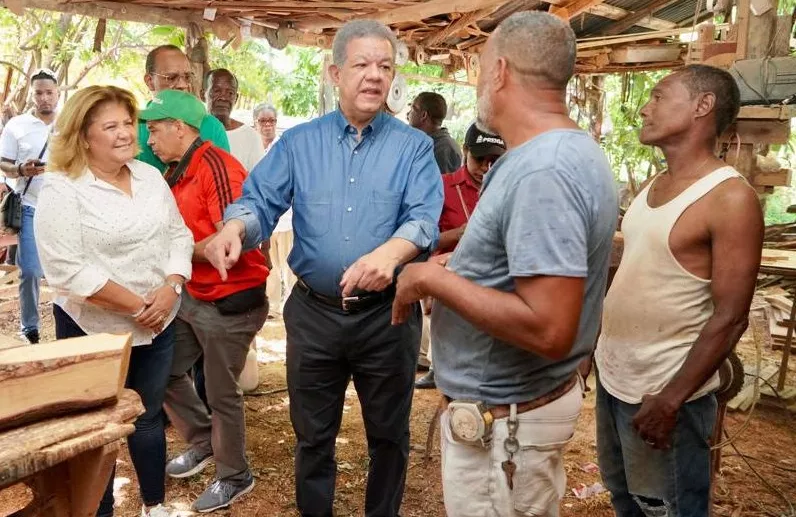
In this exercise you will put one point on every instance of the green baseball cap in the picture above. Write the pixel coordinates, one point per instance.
(176, 105)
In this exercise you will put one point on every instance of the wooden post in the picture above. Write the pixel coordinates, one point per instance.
(197, 51)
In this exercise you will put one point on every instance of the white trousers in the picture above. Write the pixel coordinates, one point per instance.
(474, 483)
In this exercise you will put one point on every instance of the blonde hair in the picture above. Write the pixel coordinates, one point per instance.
(68, 145)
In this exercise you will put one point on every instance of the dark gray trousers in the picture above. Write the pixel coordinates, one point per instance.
(224, 341)
(326, 348)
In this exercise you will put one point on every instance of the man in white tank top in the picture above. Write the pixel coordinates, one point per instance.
(678, 303)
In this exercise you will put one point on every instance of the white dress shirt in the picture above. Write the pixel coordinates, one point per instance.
(23, 139)
(89, 232)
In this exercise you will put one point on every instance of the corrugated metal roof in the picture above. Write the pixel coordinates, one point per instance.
(680, 13)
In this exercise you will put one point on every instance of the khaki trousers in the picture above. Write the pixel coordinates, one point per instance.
(474, 483)
(281, 279)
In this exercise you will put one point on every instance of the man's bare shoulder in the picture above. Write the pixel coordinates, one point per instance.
(734, 195)
(735, 208)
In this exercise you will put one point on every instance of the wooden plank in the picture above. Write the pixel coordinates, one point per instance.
(574, 8)
(773, 261)
(617, 13)
(782, 178)
(645, 53)
(778, 301)
(632, 19)
(743, 12)
(775, 112)
(462, 22)
(421, 11)
(121, 11)
(757, 131)
(55, 378)
(744, 399)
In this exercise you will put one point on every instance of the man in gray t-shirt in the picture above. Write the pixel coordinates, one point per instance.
(518, 305)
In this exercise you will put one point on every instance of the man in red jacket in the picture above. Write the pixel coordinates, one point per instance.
(218, 319)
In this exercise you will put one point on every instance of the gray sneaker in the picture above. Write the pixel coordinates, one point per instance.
(222, 493)
(188, 464)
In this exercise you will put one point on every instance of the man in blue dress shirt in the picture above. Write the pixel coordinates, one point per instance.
(366, 194)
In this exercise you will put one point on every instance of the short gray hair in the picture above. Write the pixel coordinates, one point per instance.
(539, 46)
(263, 107)
(357, 29)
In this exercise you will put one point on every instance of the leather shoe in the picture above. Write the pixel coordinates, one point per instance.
(426, 382)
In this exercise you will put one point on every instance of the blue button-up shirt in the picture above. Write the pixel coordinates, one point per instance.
(349, 196)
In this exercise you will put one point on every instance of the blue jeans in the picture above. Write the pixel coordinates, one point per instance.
(30, 272)
(148, 376)
(645, 482)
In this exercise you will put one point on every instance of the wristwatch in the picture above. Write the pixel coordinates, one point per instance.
(176, 286)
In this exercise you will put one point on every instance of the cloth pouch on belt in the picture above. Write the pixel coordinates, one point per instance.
(242, 301)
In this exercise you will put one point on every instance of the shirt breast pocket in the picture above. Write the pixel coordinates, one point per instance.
(312, 210)
(384, 210)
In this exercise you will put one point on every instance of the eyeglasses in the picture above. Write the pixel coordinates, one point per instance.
(188, 77)
(266, 121)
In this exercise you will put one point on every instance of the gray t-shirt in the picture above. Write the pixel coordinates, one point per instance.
(548, 207)
(446, 151)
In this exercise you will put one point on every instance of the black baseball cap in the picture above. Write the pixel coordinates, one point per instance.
(481, 144)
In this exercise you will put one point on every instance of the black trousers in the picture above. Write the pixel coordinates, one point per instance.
(326, 348)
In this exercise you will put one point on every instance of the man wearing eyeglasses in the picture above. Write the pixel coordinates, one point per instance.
(168, 68)
(462, 189)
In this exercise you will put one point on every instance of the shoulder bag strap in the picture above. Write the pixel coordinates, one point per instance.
(464, 205)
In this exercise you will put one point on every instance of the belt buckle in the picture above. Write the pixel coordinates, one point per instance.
(347, 300)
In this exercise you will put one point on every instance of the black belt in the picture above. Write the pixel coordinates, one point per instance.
(349, 304)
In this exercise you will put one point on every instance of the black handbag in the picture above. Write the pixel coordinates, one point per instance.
(11, 206)
(11, 210)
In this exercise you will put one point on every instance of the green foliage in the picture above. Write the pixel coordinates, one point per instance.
(625, 96)
(296, 93)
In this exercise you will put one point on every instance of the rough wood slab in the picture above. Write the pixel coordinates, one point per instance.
(744, 399)
(54, 378)
(35, 447)
(778, 262)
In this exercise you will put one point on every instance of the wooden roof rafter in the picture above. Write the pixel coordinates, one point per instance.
(450, 32)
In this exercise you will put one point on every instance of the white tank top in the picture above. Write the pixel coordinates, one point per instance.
(655, 308)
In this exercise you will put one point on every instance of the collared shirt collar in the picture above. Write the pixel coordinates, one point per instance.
(462, 175)
(347, 129)
(175, 172)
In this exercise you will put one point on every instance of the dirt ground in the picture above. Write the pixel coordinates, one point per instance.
(769, 440)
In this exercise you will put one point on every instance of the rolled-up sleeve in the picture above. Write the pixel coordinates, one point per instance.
(422, 201)
(267, 194)
(180, 239)
(59, 243)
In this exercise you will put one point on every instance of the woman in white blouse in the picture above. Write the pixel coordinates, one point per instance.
(114, 246)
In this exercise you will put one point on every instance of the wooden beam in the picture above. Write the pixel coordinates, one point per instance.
(120, 11)
(421, 11)
(632, 19)
(464, 21)
(617, 13)
(743, 12)
(573, 9)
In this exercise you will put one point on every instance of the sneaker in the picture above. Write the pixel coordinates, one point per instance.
(155, 511)
(222, 493)
(426, 382)
(32, 336)
(188, 464)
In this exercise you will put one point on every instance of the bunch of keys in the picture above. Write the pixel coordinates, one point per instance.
(511, 446)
